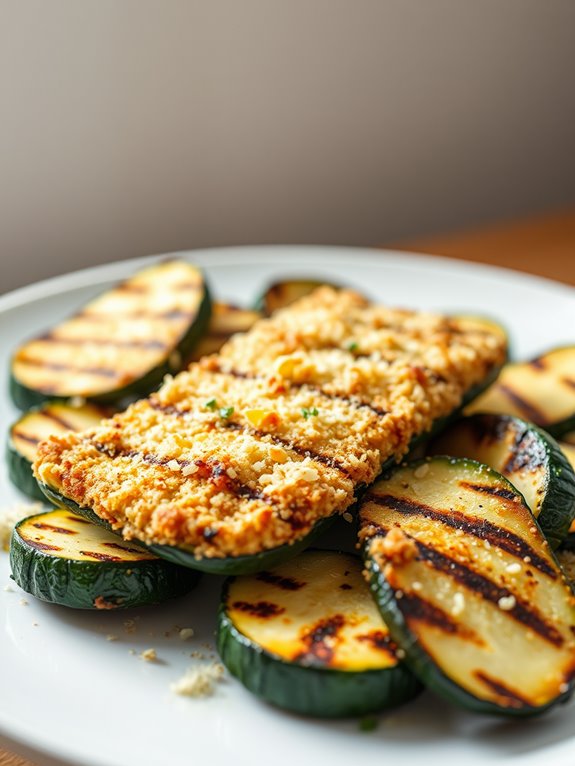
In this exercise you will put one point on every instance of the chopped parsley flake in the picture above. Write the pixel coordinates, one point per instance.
(211, 405)
(226, 412)
(309, 412)
(352, 346)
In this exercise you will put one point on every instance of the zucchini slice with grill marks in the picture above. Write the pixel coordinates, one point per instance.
(38, 424)
(226, 320)
(119, 345)
(307, 636)
(542, 391)
(281, 294)
(183, 557)
(567, 444)
(61, 558)
(468, 587)
(524, 454)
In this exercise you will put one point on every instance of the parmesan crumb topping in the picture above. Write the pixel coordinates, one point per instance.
(507, 603)
(149, 655)
(199, 681)
(11, 515)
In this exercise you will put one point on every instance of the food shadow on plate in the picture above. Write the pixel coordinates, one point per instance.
(429, 720)
(160, 622)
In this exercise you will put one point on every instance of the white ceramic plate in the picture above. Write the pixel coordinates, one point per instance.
(72, 694)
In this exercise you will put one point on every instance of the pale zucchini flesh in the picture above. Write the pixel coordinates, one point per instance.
(119, 345)
(226, 320)
(285, 292)
(49, 419)
(468, 586)
(61, 558)
(308, 637)
(541, 391)
(527, 456)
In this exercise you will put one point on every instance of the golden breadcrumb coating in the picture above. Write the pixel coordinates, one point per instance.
(247, 449)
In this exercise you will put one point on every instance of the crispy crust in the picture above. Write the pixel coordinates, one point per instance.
(335, 386)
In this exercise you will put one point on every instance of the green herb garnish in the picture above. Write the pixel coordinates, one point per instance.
(352, 346)
(226, 412)
(309, 412)
(211, 405)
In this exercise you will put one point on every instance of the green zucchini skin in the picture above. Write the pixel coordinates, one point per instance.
(389, 599)
(183, 558)
(81, 584)
(532, 450)
(307, 689)
(425, 669)
(55, 416)
(280, 294)
(20, 473)
(25, 397)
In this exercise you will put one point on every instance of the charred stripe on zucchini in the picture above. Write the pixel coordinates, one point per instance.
(119, 345)
(527, 456)
(38, 424)
(479, 604)
(59, 558)
(307, 637)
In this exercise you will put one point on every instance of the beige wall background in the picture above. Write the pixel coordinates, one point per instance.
(136, 126)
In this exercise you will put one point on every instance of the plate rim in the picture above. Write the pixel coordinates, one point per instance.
(318, 256)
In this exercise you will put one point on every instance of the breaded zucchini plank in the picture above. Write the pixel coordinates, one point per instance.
(247, 449)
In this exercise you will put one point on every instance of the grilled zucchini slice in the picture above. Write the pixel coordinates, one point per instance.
(307, 636)
(226, 320)
(527, 456)
(468, 587)
(119, 345)
(61, 558)
(285, 292)
(542, 391)
(38, 424)
(183, 557)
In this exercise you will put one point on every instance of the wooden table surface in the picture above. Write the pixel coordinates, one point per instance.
(543, 245)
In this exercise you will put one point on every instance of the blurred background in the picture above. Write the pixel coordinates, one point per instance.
(131, 127)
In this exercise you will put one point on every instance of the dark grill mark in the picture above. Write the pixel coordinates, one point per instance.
(490, 591)
(60, 367)
(527, 453)
(480, 528)
(120, 547)
(320, 641)
(351, 401)
(52, 528)
(507, 697)
(143, 344)
(379, 640)
(25, 437)
(327, 460)
(59, 420)
(261, 609)
(568, 382)
(416, 609)
(211, 471)
(42, 546)
(101, 556)
(79, 520)
(529, 410)
(345, 586)
(538, 363)
(489, 489)
(93, 316)
(285, 583)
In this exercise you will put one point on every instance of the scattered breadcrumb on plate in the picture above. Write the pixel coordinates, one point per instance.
(199, 681)
(11, 515)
